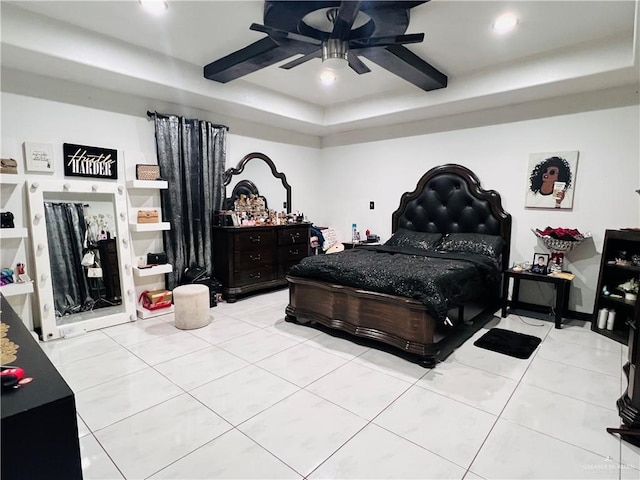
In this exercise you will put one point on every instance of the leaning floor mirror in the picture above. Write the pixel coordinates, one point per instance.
(80, 243)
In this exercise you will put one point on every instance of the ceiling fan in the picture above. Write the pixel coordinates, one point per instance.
(338, 33)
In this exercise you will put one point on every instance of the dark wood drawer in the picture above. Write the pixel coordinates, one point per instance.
(292, 253)
(251, 258)
(254, 275)
(294, 235)
(253, 239)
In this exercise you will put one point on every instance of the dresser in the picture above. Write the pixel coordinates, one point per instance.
(251, 259)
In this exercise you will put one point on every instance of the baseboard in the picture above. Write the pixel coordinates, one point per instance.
(587, 317)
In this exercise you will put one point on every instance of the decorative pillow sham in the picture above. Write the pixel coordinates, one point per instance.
(413, 239)
(480, 243)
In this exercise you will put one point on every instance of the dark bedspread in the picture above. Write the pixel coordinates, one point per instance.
(440, 281)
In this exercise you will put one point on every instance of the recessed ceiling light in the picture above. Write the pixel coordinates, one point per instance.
(327, 77)
(154, 6)
(505, 23)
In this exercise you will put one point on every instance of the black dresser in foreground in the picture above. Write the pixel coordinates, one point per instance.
(39, 426)
(251, 259)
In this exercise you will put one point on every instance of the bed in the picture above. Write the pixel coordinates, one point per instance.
(433, 284)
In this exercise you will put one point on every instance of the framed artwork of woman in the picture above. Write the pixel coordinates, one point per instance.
(551, 180)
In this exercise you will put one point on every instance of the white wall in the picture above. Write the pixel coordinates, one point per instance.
(607, 175)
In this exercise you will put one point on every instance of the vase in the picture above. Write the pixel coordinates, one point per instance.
(630, 297)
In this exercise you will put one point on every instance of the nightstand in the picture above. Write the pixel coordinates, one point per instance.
(562, 286)
(349, 245)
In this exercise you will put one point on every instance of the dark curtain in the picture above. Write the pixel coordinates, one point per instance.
(191, 155)
(66, 230)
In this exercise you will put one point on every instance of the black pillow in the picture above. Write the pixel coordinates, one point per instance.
(480, 243)
(413, 239)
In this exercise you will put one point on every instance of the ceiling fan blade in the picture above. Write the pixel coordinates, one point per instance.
(260, 54)
(277, 33)
(387, 40)
(400, 4)
(343, 22)
(357, 65)
(400, 61)
(301, 60)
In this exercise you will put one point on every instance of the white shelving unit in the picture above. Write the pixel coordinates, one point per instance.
(13, 289)
(141, 195)
(149, 227)
(18, 232)
(150, 184)
(143, 313)
(156, 270)
(14, 249)
(11, 179)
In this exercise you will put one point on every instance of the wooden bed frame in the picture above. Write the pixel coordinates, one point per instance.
(447, 199)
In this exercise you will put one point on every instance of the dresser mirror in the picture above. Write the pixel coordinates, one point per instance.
(256, 173)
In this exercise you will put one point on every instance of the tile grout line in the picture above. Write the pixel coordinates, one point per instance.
(498, 417)
(368, 422)
(108, 455)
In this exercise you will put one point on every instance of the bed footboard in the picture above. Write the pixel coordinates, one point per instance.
(401, 322)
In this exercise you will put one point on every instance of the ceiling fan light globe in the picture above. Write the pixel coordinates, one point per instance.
(335, 63)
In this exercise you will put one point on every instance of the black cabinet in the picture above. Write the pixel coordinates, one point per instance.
(39, 423)
(612, 274)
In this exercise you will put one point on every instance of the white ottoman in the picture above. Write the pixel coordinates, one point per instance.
(191, 306)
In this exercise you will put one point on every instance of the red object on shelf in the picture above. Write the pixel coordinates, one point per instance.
(160, 303)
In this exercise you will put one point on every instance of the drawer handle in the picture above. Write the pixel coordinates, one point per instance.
(293, 252)
(295, 236)
(255, 258)
(255, 239)
(255, 276)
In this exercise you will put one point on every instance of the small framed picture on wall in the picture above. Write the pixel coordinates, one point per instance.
(38, 157)
(540, 263)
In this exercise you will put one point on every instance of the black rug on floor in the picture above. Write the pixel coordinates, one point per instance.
(509, 343)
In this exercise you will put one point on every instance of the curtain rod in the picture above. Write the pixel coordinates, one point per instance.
(153, 114)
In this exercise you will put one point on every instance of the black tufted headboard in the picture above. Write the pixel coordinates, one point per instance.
(448, 199)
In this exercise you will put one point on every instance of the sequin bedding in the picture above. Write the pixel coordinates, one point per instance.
(439, 280)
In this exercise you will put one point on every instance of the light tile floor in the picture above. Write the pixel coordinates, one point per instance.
(252, 396)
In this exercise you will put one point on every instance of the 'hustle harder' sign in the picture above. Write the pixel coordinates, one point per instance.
(94, 162)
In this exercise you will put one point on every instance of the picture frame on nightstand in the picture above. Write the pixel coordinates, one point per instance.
(540, 263)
